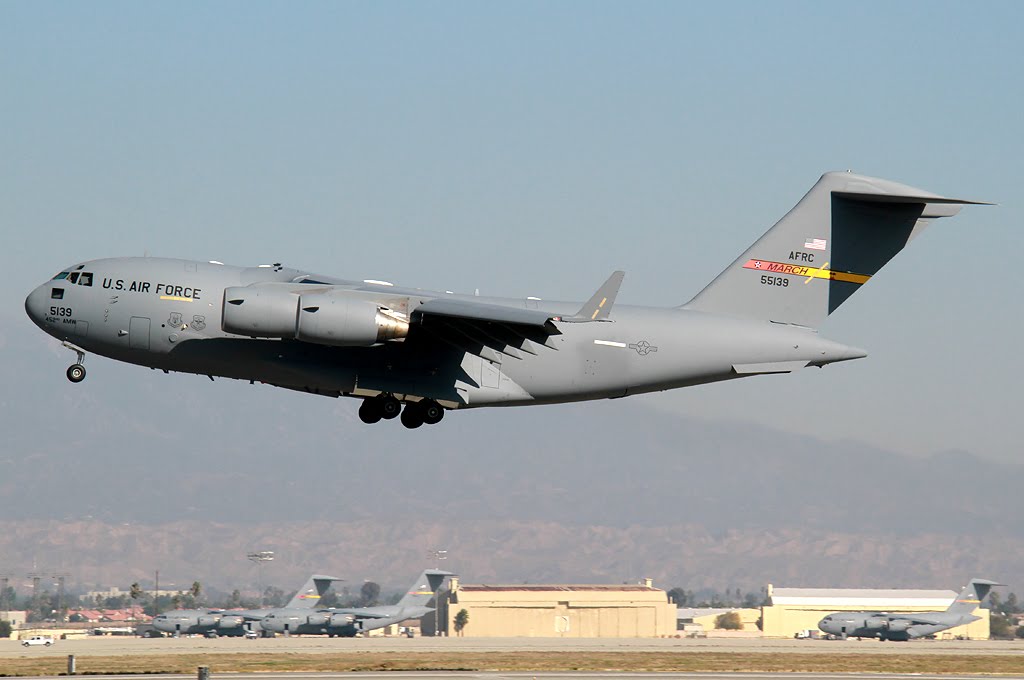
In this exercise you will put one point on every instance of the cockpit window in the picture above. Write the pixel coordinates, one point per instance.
(59, 277)
(86, 279)
(56, 293)
(73, 277)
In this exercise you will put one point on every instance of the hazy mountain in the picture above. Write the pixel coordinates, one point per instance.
(135, 470)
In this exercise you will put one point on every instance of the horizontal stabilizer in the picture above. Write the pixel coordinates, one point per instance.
(769, 367)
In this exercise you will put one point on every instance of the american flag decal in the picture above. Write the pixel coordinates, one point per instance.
(815, 243)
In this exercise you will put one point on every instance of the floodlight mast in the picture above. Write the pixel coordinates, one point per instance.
(258, 558)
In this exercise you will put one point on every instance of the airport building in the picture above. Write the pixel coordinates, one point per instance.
(792, 610)
(569, 611)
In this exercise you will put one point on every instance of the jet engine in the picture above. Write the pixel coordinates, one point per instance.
(260, 312)
(318, 619)
(342, 620)
(898, 626)
(334, 318)
(876, 623)
(344, 320)
(229, 622)
(208, 620)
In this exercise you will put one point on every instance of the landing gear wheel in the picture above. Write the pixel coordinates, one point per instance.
(370, 411)
(390, 407)
(76, 373)
(412, 416)
(432, 412)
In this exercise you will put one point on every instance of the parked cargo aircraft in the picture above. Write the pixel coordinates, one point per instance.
(349, 622)
(436, 351)
(234, 623)
(903, 627)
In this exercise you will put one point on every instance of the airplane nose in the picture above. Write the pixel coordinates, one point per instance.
(35, 305)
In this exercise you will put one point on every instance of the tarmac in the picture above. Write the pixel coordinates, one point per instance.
(434, 675)
(112, 645)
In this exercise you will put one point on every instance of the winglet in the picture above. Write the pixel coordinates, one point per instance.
(600, 304)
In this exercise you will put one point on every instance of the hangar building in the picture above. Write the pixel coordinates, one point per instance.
(791, 610)
(570, 611)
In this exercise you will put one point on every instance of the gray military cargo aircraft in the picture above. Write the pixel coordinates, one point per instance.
(437, 351)
(233, 622)
(903, 627)
(349, 622)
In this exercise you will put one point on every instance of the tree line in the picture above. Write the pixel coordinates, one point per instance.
(49, 605)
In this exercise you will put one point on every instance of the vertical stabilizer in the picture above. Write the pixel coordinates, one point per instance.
(971, 597)
(424, 588)
(310, 593)
(831, 243)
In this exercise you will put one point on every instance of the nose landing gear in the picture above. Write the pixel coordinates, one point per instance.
(76, 372)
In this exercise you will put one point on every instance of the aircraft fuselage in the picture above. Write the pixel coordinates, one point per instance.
(169, 314)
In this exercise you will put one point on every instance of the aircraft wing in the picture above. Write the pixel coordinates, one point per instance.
(924, 618)
(366, 613)
(492, 331)
(481, 311)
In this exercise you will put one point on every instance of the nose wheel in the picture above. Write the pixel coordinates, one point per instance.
(76, 372)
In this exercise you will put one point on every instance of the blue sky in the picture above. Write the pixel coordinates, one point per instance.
(530, 149)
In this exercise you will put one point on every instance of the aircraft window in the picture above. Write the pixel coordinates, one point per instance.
(86, 279)
(58, 277)
(73, 277)
(56, 293)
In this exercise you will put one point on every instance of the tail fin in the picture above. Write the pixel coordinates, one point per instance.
(837, 237)
(310, 593)
(971, 597)
(424, 588)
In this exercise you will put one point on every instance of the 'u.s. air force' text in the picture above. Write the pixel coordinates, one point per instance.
(146, 287)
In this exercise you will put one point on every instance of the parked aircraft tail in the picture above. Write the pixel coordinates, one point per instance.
(309, 594)
(424, 588)
(971, 597)
(831, 243)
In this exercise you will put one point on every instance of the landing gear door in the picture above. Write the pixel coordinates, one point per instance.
(138, 333)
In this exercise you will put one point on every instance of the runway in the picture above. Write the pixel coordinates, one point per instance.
(434, 675)
(515, 658)
(107, 646)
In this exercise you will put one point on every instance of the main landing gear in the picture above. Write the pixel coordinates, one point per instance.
(386, 407)
(76, 372)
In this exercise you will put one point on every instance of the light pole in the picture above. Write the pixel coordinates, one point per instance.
(259, 558)
(438, 555)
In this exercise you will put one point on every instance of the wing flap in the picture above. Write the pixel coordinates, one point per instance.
(482, 311)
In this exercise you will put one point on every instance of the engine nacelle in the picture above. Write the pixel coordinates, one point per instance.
(318, 619)
(260, 312)
(325, 318)
(876, 623)
(342, 620)
(208, 620)
(230, 622)
(347, 321)
(899, 626)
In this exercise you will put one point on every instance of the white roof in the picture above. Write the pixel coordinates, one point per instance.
(868, 598)
(691, 612)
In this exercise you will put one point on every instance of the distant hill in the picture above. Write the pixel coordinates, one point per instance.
(135, 470)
